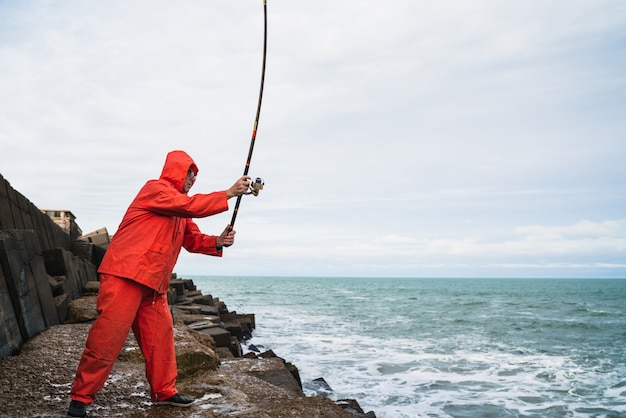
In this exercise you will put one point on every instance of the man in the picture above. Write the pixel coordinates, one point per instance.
(135, 275)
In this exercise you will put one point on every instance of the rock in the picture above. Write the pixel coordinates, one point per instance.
(209, 310)
(265, 395)
(254, 348)
(352, 406)
(204, 339)
(179, 290)
(319, 386)
(191, 318)
(271, 370)
(91, 288)
(220, 335)
(82, 310)
(190, 309)
(200, 325)
(193, 293)
(293, 369)
(225, 353)
(246, 320)
(268, 354)
(203, 300)
(193, 354)
(234, 328)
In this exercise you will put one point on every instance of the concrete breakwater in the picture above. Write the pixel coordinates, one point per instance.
(48, 288)
(36, 382)
(209, 338)
(42, 269)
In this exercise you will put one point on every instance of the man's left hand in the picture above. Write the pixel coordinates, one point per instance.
(226, 239)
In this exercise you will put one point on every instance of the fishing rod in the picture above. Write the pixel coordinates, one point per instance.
(257, 184)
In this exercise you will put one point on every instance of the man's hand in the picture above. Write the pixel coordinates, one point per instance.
(240, 187)
(226, 239)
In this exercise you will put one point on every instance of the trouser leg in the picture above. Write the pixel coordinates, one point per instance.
(118, 302)
(153, 329)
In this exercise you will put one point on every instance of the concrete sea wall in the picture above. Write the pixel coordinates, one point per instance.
(39, 273)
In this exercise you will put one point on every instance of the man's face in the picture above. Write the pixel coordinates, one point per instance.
(189, 181)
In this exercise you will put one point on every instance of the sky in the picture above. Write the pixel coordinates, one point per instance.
(410, 138)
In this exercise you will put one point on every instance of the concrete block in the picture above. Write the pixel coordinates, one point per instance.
(21, 284)
(60, 262)
(38, 269)
(209, 310)
(244, 319)
(6, 216)
(62, 304)
(220, 335)
(10, 336)
(202, 299)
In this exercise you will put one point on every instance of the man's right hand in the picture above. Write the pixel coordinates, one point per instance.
(240, 187)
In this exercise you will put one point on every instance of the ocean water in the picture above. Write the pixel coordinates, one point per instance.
(445, 347)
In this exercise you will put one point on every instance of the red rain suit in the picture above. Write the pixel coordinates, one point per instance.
(135, 275)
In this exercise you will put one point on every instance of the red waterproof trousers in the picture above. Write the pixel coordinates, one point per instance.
(124, 304)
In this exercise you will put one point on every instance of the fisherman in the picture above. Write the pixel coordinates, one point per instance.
(135, 276)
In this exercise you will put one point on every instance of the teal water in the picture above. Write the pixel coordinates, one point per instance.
(446, 347)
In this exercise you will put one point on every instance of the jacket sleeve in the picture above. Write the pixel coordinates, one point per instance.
(162, 198)
(195, 241)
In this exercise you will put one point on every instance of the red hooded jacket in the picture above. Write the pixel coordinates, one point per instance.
(158, 223)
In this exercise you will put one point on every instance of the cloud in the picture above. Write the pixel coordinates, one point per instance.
(463, 138)
(582, 230)
(582, 248)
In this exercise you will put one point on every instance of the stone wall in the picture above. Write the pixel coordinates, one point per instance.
(39, 275)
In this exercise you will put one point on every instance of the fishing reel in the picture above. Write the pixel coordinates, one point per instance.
(256, 186)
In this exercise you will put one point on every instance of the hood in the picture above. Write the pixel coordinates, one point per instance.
(175, 168)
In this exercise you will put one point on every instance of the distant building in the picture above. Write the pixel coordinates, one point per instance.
(99, 237)
(66, 220)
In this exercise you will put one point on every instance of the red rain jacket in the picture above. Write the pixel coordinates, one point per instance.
(158, 223)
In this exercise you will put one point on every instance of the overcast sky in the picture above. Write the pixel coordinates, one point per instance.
(413, 138)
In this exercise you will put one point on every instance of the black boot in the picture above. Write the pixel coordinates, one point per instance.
(177, 400)
(77, 409)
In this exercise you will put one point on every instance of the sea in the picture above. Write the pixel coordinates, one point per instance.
(426, 347)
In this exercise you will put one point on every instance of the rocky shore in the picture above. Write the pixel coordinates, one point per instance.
(212, 369)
